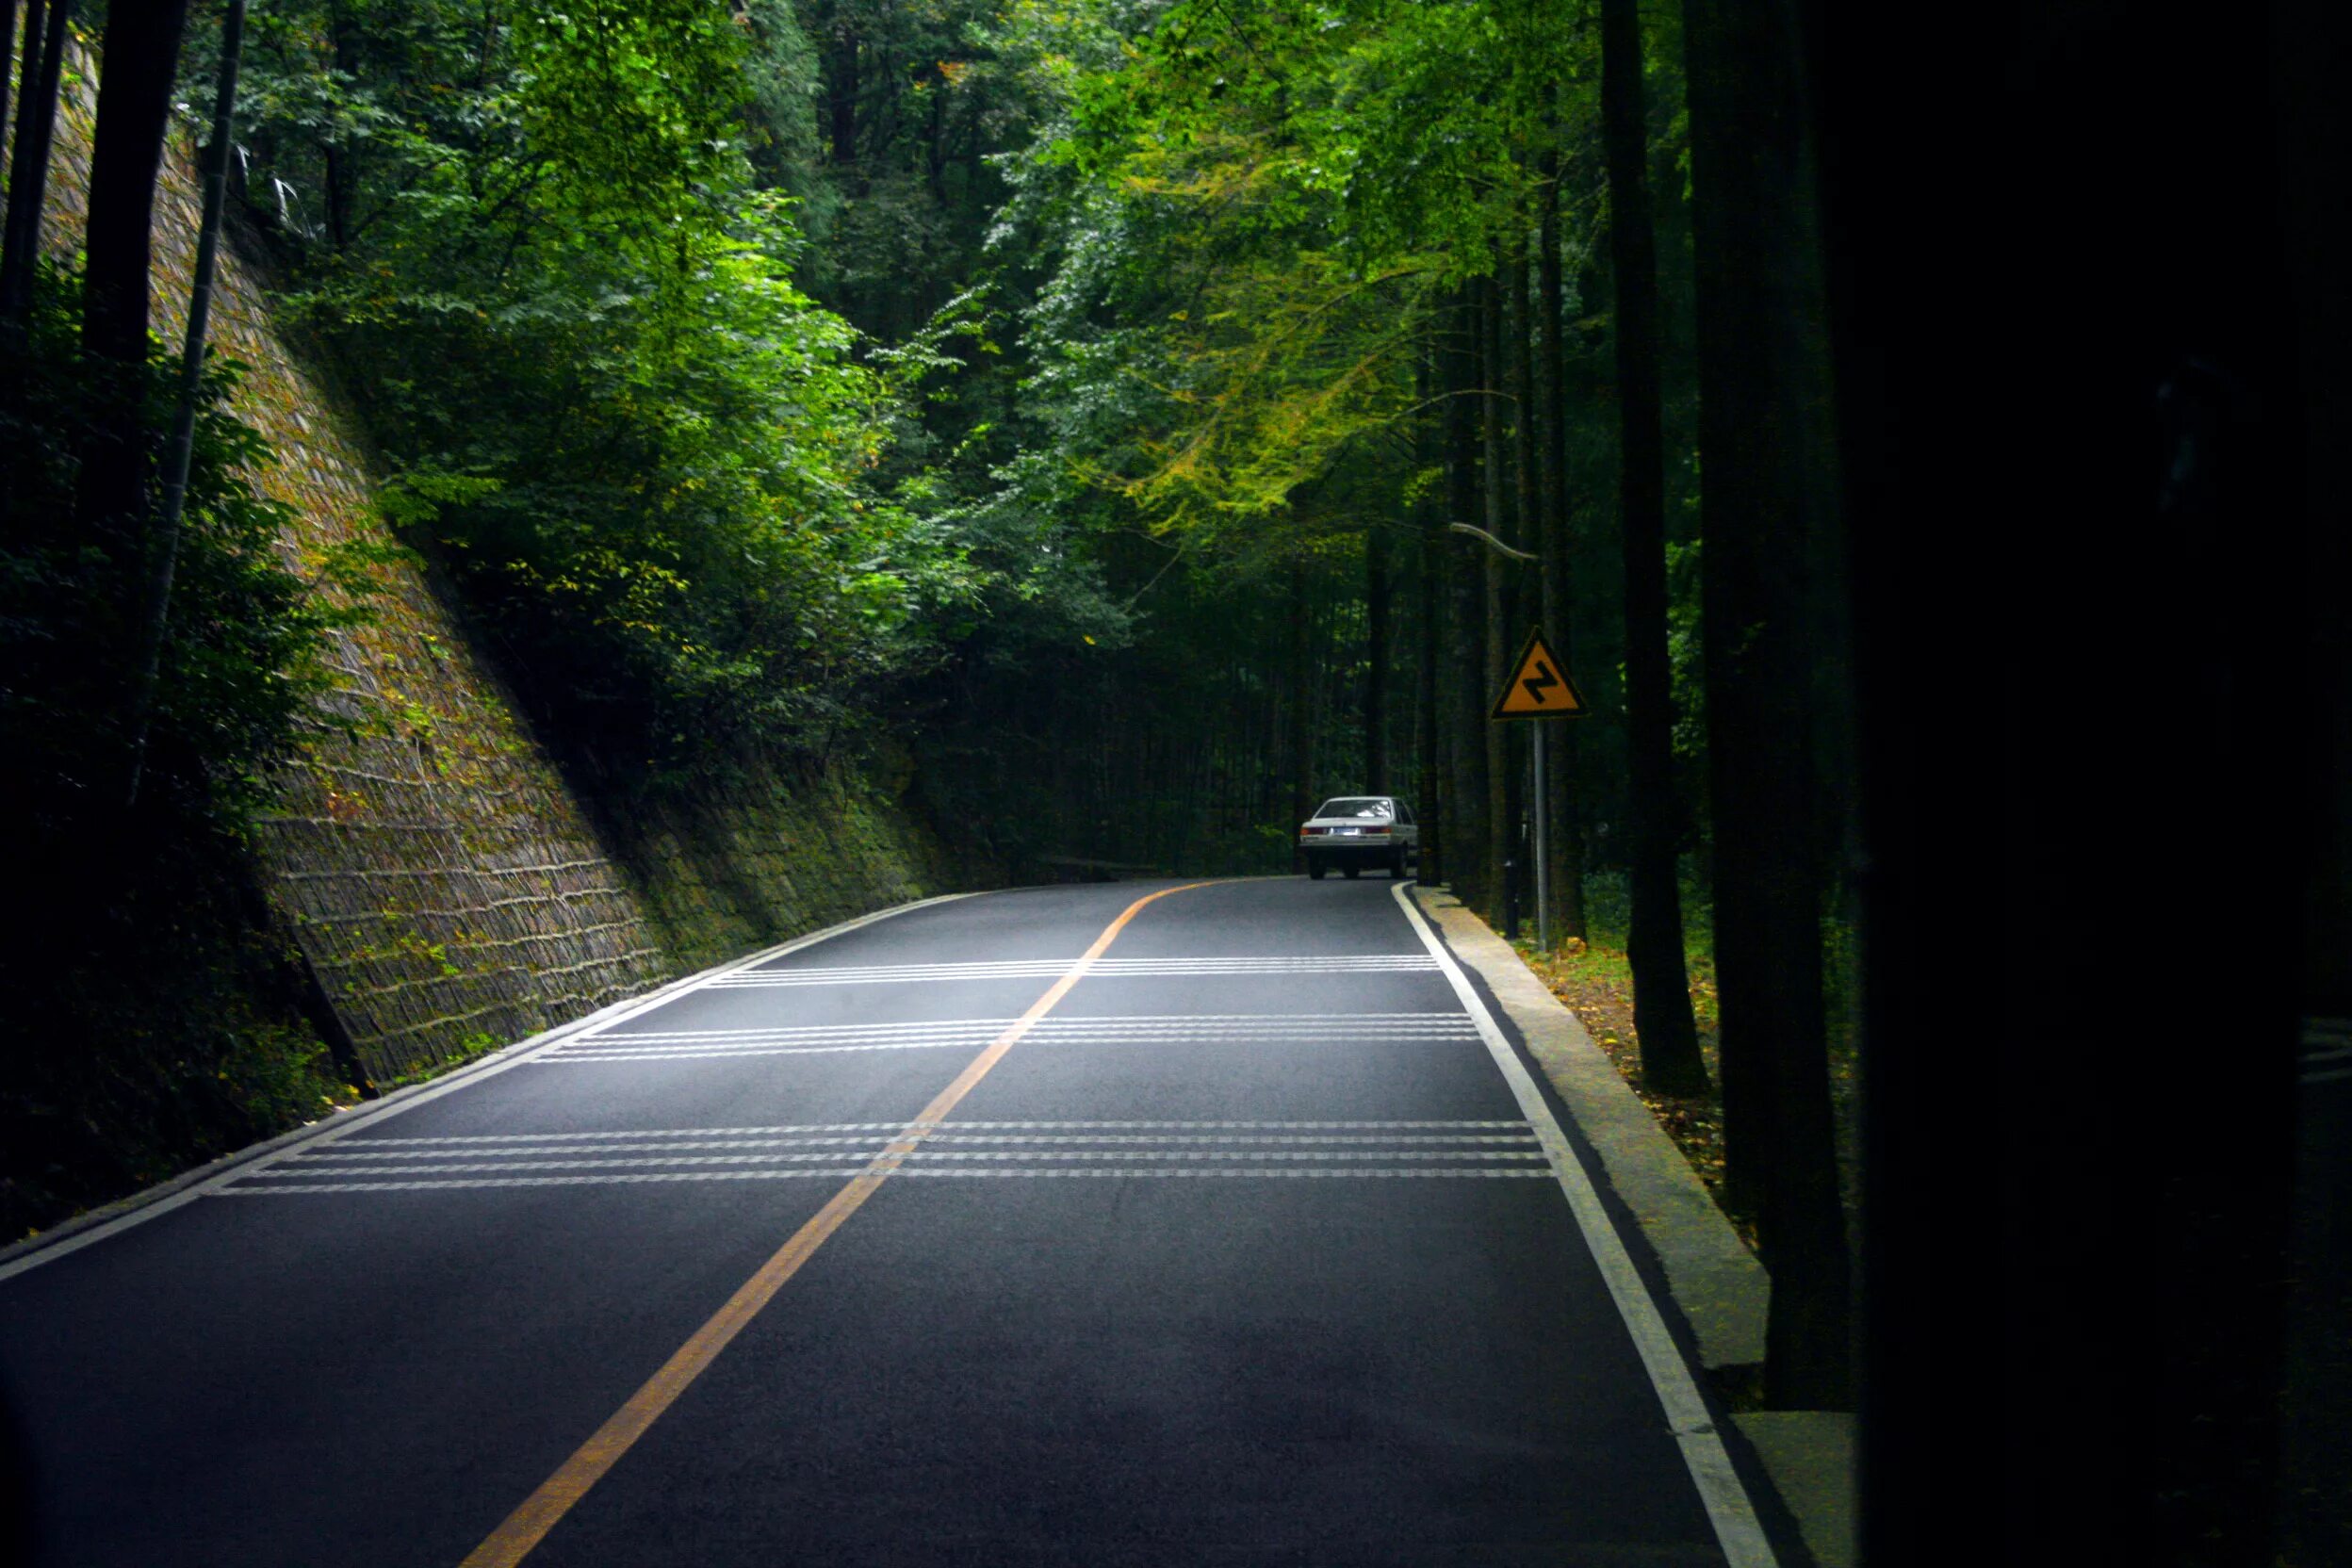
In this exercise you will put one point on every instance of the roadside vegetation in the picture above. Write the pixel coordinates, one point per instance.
(1593, 976)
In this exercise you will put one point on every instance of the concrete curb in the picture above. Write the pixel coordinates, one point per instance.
(69, 1236)
(1717, 1284)
(1716, 1281)
(1809, 1455)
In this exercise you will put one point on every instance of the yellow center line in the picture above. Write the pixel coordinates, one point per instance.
(523, 1528)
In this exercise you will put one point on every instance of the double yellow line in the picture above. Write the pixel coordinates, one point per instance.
(523, 1528)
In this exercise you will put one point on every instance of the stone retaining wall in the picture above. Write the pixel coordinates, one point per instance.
(448, 890)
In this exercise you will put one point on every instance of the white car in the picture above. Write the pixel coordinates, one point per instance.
(1355, 831)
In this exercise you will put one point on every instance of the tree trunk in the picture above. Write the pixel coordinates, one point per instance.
(163, 549)
(1301, 760)
(143, 48)
(1375, 658)
(28, 174)
(935, 145)
(1466, 573)
(341, 175)
(1499, 567)
(1751, 229)
(7, 47)
(1518, 329)
(1527, 607)
(1670, 1063)
(1551, 397)
(1431, 808)
(843, 100)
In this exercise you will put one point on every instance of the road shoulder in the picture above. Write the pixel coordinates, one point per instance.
(1719, 1286)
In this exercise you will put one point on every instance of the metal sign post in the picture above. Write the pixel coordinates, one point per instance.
(1542, 855)
(1538, 688)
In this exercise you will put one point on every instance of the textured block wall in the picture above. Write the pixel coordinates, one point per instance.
(767, 859)
(448, 890)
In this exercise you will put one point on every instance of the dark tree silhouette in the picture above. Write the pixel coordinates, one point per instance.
(1551, 400)
(28, 174)
(1661, 983)
(1466, 574)
(1754, 257)
(1378, 581)
(142, 50)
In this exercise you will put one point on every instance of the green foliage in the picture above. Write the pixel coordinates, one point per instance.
(781, 76)
(627, 112)
(905, 125)
(471, 1048)
(1256, 214)
(650, 457)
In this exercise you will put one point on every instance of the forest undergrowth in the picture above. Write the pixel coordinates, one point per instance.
(1593, 977)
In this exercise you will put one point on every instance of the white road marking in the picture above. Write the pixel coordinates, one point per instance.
(1021, 969)
(895, 1127)
(920, 1156)
(274, 1189)
(1728, 1507)
(1155, 1023)
(1400, 1148)
(1356, 963)
(831, 1039)
(780, 1033)
(365, 1151)
(1282, 1024)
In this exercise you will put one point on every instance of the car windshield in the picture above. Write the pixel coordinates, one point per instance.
(1365, 807)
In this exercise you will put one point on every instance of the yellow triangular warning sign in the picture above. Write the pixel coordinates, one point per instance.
(1539, 686)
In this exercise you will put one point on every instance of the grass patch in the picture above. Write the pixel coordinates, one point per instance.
(471, 1049)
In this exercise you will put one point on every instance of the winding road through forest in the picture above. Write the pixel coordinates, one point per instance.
(1216, 1223)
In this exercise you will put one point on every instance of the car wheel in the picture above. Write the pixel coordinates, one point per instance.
(1397, 867)
(1351, 871)
(1316, 868)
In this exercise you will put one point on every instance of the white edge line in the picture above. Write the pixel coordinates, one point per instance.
(206, 1179)
(1738, 1531)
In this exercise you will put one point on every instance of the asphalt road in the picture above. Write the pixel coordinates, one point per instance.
(1244, 1252)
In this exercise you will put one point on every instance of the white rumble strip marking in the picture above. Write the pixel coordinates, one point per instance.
(1189, 1023)
(518, 1147)
(826, 1040)
(927, 1126)
(1535, 1172)
(961, 1124)
(1023, 968)
(1464, 1150)
(919, 1156)
(1262, 1024)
